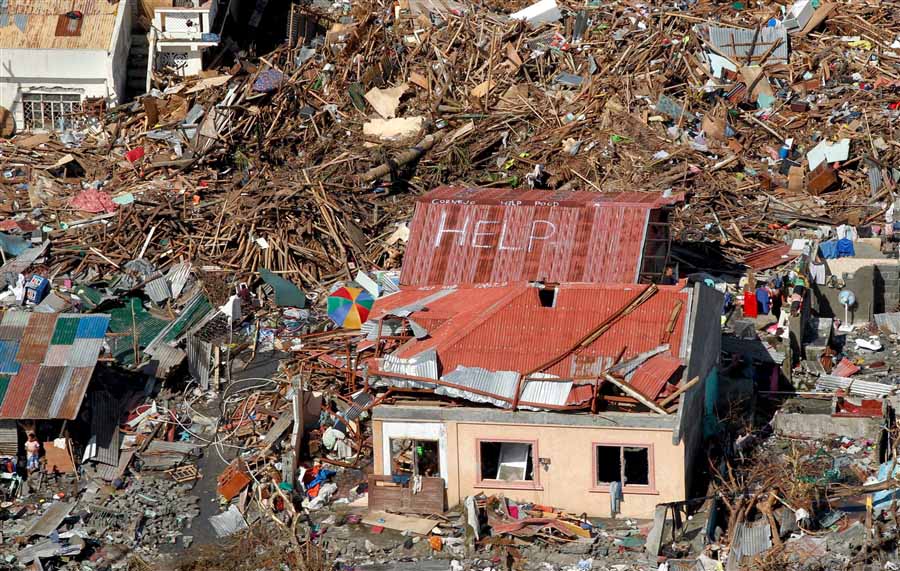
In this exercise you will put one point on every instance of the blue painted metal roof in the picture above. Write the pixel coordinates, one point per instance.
(92, 327)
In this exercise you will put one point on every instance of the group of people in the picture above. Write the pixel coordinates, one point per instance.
(780, 292)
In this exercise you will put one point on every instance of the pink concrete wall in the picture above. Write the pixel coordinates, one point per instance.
(568, 482)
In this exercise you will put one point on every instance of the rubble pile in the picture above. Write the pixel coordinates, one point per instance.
(769, 126)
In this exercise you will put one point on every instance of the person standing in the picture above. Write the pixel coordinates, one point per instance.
(33, 453)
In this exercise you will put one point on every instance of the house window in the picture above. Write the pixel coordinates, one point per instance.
(50, 110)
(632, 466)
(504, 462)
(411, 457)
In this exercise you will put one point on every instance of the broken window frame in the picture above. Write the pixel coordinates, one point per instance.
(603, 487)
(415, 463)
(533, 484)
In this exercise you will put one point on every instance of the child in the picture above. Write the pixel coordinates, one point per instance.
(32, 449)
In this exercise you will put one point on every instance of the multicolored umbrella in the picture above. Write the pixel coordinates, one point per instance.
(349, 306)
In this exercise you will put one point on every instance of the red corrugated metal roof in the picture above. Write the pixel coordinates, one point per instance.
(19, 391)
(651, 377)
(472, 236)
(507, 329)
(580, 394)
(769, 257)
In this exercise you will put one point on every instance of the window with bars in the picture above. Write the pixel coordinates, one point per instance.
(50, 111)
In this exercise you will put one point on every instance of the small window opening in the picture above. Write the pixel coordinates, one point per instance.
(547, 296)
(629, 465)
(508, 461)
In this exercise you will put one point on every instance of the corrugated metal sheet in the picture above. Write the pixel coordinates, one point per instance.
(92, 327)
(580, 394)
(844, 369)
(178, 276)
(550, 392)
(652, 376)
(104, 442)
(198, 356)
(421, 365)
(195, 310)
(19, 391)
(736, 43)
(506, 328)
(84, 352)
(57, 355)
(770, 257)
(5, 382)
(61, 393)
(64, 333)
(42, 395)
(50, 519)
(8, 351)
(13, 325)
(470, 236)
(889, 322)
(9, 437)
(832, 383)
(77, 386)
(163, 358)
(749, 541)
(500, 383)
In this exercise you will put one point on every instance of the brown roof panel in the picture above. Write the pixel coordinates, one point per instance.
(81, 376)
(41, 398)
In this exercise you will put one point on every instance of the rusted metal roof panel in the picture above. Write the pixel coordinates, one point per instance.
(506, 328)
(652, 376)
(48, 380)
(13, 324)
(518, 333)
(78, 384)
(19, 391)
(769, 257)
(41, 398)
(472, 236)
(61, 393)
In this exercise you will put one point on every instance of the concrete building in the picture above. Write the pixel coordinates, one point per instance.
(563, 390)
(181, 31)
(57, 55)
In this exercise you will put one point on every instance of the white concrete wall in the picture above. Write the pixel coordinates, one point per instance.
(194, 58)
(60, 71)
(119, 49)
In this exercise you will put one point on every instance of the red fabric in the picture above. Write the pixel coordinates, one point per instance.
(135, 154)
(750, 304)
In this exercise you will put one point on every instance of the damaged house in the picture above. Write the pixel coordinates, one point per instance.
(586, 396)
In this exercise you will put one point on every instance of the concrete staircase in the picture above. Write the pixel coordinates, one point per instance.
(137, 64)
